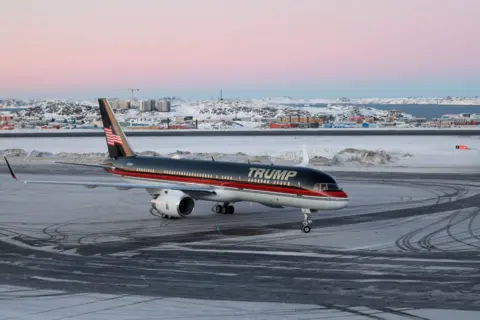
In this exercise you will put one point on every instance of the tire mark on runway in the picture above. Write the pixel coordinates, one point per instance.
(453, 236)
(405, 242)
(109, 308)
(351, 311)
(426, 242)
(69, 306)
(53, 231)
(470, 226)
(45, 295)
(402, 313)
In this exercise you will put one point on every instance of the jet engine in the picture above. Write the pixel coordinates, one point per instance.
(173, 203)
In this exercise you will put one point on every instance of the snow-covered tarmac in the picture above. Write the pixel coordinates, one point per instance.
(26, 303)
(408, 246)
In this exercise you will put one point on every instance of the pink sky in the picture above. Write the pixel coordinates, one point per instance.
(68, 46)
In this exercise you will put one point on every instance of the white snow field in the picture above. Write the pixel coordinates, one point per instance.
(344, 152)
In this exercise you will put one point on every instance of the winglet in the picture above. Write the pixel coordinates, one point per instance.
(12, 173)
(305, 159)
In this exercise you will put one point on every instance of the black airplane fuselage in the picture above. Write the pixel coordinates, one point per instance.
(289, 179)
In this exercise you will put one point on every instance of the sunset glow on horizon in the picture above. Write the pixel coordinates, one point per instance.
(251, 48)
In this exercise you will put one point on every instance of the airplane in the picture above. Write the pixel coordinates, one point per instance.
(176, 184)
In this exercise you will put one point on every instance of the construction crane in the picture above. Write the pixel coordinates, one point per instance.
(133, 90)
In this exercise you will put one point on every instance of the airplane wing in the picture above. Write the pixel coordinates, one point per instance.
(118, 185)
(99, 165)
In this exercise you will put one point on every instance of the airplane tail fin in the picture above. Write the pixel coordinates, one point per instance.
(117, 143)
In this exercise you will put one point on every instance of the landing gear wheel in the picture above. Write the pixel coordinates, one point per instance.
(218, 209)
(229, 209)
(306, 229)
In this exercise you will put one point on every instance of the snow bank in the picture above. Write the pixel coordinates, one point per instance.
(351, 151)
(361, 156)
(349, 156)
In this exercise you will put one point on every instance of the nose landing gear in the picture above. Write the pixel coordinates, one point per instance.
(307, 220)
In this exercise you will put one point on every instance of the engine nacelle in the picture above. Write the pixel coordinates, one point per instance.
(173, 203)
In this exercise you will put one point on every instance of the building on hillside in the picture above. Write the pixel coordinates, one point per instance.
(298, 119)
(147, 105)
(120, 104)
(164, 105)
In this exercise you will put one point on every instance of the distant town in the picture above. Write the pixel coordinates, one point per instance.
(173, 113)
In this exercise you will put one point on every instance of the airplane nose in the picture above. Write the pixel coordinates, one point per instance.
(344, 203)
(338, 204)
(342, 199)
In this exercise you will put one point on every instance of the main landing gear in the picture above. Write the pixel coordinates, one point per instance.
(226, 208)
(307, 220)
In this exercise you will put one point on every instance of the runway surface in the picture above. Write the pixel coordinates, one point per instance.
(406, 248)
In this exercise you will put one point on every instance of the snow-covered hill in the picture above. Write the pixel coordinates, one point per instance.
(448, 100)
(394, 100)
(414, 100)
(406, 100)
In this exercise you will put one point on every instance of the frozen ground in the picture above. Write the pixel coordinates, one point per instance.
(406, 248)
(336, 153)
(25, 303)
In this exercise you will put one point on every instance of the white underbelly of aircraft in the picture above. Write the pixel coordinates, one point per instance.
(264, 197)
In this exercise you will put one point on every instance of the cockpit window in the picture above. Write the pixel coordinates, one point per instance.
(326, 187)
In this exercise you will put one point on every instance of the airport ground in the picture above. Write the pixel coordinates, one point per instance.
(408, 247)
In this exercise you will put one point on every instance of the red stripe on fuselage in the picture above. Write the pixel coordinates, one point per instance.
(230, 184)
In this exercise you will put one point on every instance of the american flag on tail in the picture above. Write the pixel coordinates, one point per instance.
(112, 137)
